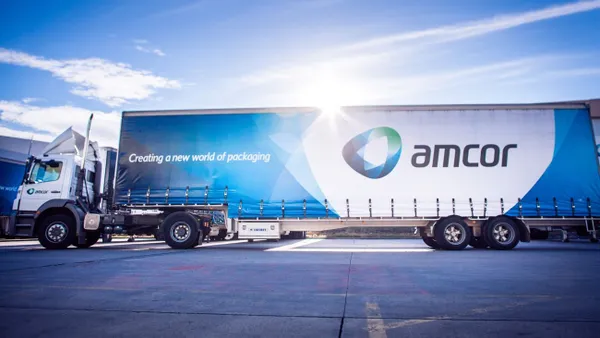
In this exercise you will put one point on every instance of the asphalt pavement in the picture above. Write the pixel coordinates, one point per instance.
(300, 288)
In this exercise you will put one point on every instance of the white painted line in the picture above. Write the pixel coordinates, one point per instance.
(204, 245)
(375, 324)
(358, 250)
(293, 246)
(100, 244)
(18, 243)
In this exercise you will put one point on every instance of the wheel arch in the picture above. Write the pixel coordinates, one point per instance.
(58, 207)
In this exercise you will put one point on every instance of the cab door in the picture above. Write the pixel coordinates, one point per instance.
(45, 183)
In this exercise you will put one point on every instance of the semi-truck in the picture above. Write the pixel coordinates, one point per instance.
(482, 176)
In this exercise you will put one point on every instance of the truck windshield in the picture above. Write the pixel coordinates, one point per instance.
(46, 172)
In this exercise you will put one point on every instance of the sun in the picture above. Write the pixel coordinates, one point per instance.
(328, 93)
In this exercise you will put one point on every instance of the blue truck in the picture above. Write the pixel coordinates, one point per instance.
(478, 175)
(13, 156)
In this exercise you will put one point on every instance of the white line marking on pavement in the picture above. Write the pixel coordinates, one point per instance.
(359, 250)
(291, 247)
(204, 245)
(18, 243)
(375, 324)
(164, 246)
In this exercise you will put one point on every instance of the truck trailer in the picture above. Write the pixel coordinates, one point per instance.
(478, 175)
(14, 152)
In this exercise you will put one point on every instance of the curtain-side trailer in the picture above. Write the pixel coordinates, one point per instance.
(479, 175)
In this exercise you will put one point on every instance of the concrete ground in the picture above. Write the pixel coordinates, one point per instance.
(302, 288)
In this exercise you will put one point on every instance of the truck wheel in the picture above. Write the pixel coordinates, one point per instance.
(452, 233)
(56, 232)
(430, 242)
(159, 235)
(478, 243)
(181, 230)
(91, 238)
(501, 233)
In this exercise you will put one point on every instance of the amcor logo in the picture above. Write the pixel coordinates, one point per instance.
(444, 155)
(354, 152)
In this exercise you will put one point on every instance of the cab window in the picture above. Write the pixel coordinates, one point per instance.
(46, 171)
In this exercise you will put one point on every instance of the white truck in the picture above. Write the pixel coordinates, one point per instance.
(479, 175)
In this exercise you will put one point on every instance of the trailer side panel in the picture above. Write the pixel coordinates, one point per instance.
(378, 163)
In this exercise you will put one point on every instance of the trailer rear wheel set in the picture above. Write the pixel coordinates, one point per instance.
(453, 233)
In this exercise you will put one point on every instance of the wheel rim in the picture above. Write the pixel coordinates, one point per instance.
(180, 232)
(503, 233)
(57, 232)
(454, 233)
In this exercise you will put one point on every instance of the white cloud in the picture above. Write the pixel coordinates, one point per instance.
(158, 52)
(481, 27)
(48, 122)
(366, 53)
(25, 134)
(30, 99)
(155, 51)
(312, 69)
(111, 83)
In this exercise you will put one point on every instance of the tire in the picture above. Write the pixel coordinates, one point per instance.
(452, 233)
(501, 233)
(181, 230)
(222, 234)
(430, 242)
(159, 235)
(56, 232)
(91, 238)
(478, 243)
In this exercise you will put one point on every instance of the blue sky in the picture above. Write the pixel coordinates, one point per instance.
(61, 60)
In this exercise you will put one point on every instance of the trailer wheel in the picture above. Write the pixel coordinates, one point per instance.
(478, 243)
(452, 233)
(501, 233)
(91, 238)
(56, 232)
(181, 230)
(430, 242)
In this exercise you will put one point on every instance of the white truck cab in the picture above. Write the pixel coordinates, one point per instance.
(48, 203)
(53, 177)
